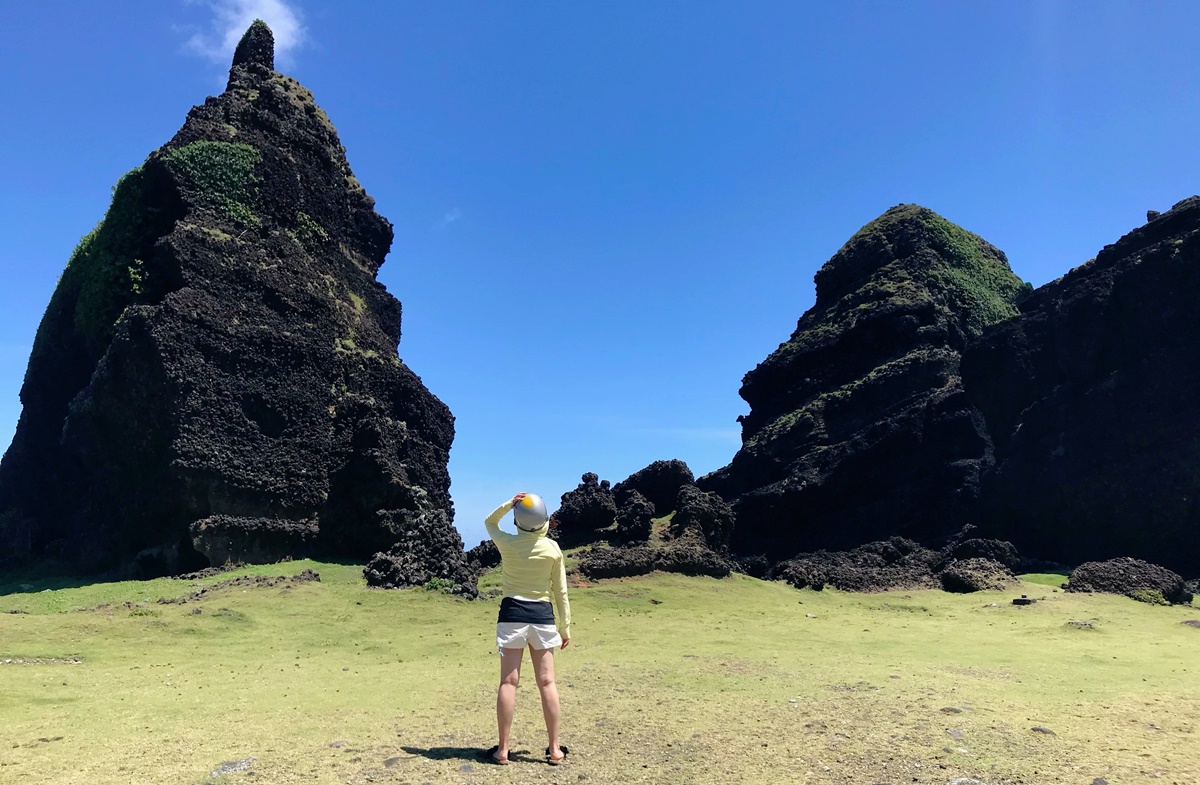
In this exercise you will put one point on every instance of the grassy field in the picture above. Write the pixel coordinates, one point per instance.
(668, 679)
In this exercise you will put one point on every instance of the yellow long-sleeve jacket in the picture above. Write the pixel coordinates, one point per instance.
(532, 567)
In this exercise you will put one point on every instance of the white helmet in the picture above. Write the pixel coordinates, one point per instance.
(530, 513)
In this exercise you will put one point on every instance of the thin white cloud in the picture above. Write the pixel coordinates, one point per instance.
(450, 217)
(232, 17)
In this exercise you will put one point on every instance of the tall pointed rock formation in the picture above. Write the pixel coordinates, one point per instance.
(858, 426)
(216, 376)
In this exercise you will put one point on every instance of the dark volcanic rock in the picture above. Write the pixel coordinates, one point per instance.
(427, 548)
(1090, 399)
(976, 574)
(858, 427)
(484, 556)
(707, 514)
(688, 555)
(1000, 551)
(216, 375)
(896, 563)
(659, 482)
(583, 511)
(633, 518)
(1131, 577)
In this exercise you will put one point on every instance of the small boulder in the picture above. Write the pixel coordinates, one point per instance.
(1131, 577)
(976, 574)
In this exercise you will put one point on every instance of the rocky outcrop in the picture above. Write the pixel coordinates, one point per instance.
(216, 375)
(659, 483)
(633, 518)
(859, 428)
(687, 555)
(428, 552)
(896, 563)
(705, 514)
(976, 574)
(584, 511)
(1090, 401)
(1131, 577)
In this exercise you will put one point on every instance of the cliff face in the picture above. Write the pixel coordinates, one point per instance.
(859, 428)
(216, 376)
(1090, 396)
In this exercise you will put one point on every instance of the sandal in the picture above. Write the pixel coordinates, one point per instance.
(489, 756)
(553, 761)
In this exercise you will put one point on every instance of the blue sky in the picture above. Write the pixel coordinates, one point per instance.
(607, 213)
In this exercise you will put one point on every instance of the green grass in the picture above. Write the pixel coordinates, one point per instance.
(668, 679)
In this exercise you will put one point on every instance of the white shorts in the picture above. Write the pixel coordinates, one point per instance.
(517, 635)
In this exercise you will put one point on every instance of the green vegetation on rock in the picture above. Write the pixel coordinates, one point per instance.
(223, 174)
(107, 271)
(982, 286)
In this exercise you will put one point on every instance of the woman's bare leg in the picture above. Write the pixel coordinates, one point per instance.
(506, 696)
(543, 670)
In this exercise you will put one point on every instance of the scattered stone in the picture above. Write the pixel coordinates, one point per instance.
(1079, 624)
(810, 615)
(1192, 623)
(1099, 781)
(951, 710)
(1023, 600)
(955, 734)
(232, 766)
(391, 762)
(244, 582)
(466, 768)
(1043, 729)
(337, 744)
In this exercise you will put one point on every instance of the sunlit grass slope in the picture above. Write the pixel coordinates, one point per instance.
(668, 679)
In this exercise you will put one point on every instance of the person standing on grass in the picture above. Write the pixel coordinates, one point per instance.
(534, 585)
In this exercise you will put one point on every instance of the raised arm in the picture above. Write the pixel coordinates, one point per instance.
(492, 522)
(562, 606)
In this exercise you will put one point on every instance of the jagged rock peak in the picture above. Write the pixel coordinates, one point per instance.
(911, 242)
(257, 46)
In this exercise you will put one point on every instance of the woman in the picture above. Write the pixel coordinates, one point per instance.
(533, 572)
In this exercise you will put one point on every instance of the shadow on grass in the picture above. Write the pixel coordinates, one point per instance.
(35, 581)
(472, 754)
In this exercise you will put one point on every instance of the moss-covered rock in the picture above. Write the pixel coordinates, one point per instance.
(858, 428)
(216, 376)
